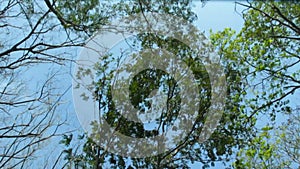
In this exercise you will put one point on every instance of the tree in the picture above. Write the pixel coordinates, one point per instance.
(261, 68)
(230, 134)
(266, 51)
(31, 36)
(273, 147)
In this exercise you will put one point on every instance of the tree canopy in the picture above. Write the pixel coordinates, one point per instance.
(260, 64)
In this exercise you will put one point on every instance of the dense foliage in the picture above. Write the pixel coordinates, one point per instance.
(261, 66)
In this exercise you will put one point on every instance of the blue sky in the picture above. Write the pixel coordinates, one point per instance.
(217, 15)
